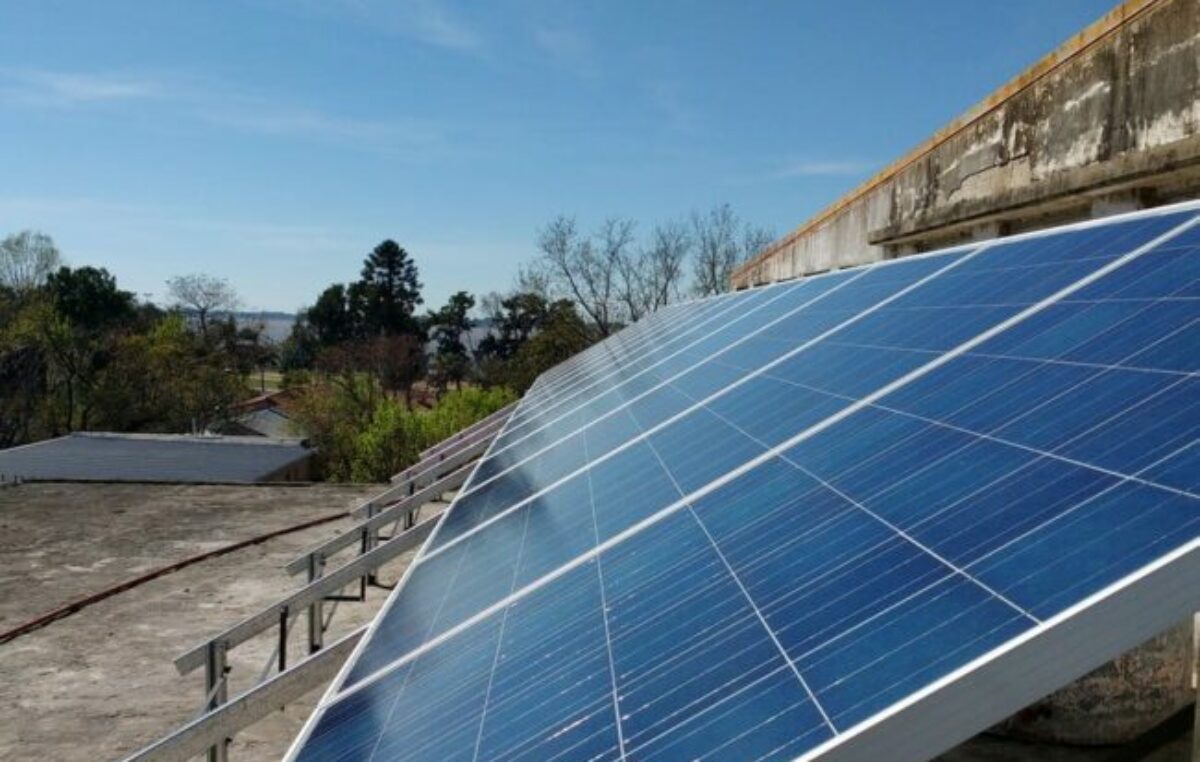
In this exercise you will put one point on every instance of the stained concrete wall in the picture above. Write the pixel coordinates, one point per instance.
(1109, 121)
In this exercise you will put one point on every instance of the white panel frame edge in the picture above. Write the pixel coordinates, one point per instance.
(1003, 681)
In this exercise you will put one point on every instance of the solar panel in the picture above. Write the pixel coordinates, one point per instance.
(865, 513)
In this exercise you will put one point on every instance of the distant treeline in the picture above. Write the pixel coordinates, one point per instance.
(77, 352)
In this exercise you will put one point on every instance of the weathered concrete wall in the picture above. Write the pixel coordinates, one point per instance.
(1109, 121)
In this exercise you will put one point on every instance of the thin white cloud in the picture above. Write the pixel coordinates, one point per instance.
(44, 88)
(430, 22)
(822, 168)
(199, 100)
(401, 136)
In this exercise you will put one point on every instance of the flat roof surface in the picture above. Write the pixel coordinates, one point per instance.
(101, 683)
(151, 458)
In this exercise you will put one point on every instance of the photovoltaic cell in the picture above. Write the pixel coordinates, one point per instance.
(866, 498)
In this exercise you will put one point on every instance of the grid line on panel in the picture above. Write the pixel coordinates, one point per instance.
(762, 620)
(687, 411)
(612, 669)
(964, 255)
(892, 527)
(1063, 514)
(1020, 641)
(784, 290)
(635, 349)
(807, 433)
(617, 366)
(499, 643)
(425, 546)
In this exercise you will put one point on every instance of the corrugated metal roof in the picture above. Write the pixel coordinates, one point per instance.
(151, 458)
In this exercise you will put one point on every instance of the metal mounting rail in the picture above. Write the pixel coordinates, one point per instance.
(428, 476)
(312, 592)
(424, 472)
(214, 729)
(392, 513)
(494, 419)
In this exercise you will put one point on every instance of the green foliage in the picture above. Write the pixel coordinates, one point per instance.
(365, 437)
(392, 289)
(79, 353)
(530, 337)
(452, 362)
(89, 298)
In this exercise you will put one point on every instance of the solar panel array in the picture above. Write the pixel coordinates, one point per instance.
(749, 527)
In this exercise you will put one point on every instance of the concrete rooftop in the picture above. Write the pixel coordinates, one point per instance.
(100, 683)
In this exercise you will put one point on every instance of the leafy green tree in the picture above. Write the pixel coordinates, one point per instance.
(561, 335)
(88, 297)
(330, 318)
(452, 361)
(529, 336)
(391, 284)
(513, 321)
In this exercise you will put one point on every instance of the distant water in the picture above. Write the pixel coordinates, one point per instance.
(276, 326)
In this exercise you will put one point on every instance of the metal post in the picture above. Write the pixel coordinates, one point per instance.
(365, 544)
(316, 615)
(216, 689)
(283, 635)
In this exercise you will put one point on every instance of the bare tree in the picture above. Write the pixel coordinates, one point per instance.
(586, 270)
(669, 247)
(533, 278)
(203, 295)
(26, 258)
(651, 278)
(717, 249)
(720, 249)
(755, 240)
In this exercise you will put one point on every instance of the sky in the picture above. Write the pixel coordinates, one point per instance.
(275, 142)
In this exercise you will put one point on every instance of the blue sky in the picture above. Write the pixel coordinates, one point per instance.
(274, 142)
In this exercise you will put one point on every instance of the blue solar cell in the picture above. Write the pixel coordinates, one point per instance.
(754, 603)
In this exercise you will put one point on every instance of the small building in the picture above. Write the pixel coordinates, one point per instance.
(166, 458)
(268, 422)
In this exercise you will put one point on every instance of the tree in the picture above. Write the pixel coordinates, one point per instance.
(513, 321)
(722, 243)
(651, 279)
(26, 258)
(755, 240)
(586, 270)
(330, 318)
(202, 294)
(529, 336)
(717, 250)
(562, 335)
(450, 324)
(22, 390)
(393, 289)
(89, 298)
